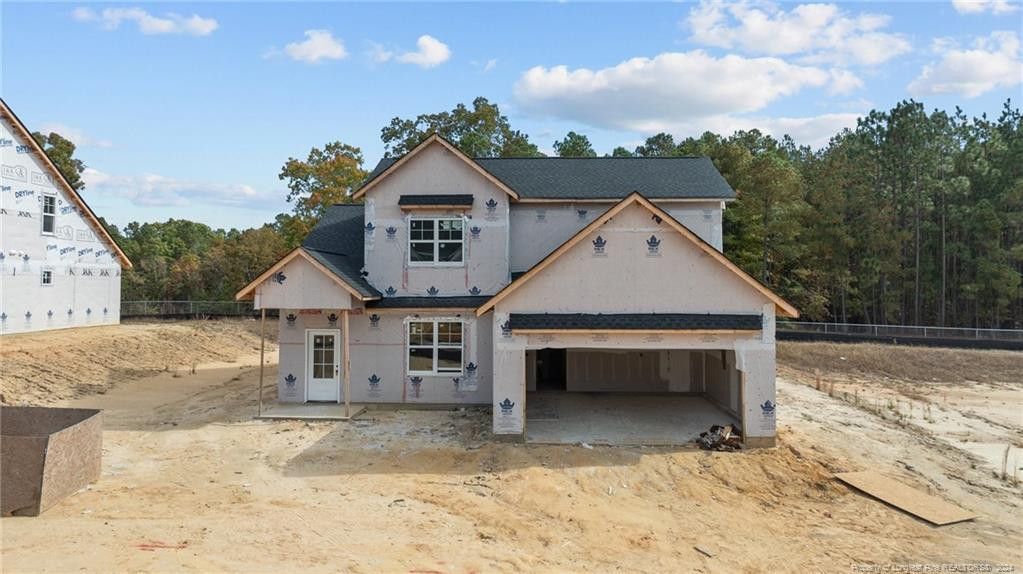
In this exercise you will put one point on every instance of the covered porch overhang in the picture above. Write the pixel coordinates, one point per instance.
(310, 280)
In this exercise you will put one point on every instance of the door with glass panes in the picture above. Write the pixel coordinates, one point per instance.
(323, 365)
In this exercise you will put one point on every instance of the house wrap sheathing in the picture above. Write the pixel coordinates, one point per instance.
(482, 281)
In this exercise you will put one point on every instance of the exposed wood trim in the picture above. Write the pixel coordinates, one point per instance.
(435, 138)
(640, 331)
(742, 401)
(262, 361)
(783, 306)
(63, 182)
(346, 357)
(249, 290)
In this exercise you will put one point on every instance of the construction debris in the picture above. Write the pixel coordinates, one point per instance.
(724, 438)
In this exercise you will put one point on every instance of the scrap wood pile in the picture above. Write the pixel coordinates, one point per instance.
(725, 438)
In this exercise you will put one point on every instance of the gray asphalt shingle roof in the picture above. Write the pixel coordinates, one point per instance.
(610, 178)
(337, 242)
(636, 321)
(439, 199)
(459, 302)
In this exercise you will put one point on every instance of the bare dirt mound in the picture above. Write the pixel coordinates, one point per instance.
(44, 368)
(921, 364)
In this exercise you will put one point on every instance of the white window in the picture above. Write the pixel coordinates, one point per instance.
(49, 214)
(435, 241)
(46, 278)
(434, 347)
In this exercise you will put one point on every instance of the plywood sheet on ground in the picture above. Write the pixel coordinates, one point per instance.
(930, 508)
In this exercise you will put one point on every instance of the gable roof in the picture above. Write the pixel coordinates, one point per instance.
(783, 307)
(602, 178)
(62, 181)
(335, 247)
(381, 173)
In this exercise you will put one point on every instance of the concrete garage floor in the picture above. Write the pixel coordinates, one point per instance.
(555, 417)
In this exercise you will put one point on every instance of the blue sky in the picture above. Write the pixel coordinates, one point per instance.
(189, 110)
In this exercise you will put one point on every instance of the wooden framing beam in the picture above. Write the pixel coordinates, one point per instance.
(346, 358)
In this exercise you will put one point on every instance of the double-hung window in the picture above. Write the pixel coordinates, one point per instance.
(434, 347)
(435, 241)
(49, 214)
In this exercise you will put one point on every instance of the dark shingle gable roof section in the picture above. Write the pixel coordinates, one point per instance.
(440, 199)
(337, 243)
(460, 302)
(635, 321)
(610, 178)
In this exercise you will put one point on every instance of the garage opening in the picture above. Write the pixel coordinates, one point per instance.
(629, 396)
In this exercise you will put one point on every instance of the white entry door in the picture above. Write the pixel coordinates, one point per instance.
(323, 365)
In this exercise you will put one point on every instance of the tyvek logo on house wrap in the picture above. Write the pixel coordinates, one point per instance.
(390, 291)
(374, 321)
(768, 408)
(653, 246)
(506, 329)
(289, 381)
(374, 381)
(541, 215)
(392, 232)
(491, 205)
(332, 320)
(432, 291)
(599, 246)
(474, 232)
(474, 290)
(417, 386)
(291, 318)
(507, 406)
(279, 278)
(369, 229)
(581, 213)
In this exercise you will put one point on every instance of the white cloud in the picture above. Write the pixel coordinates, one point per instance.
(170, 23)
(318, 45)
(979, 6)
(74, 135)
(818, 32)
(843, 82)
(152, 190)
(649, 95)
(379, 54)
(430, 52)
(490, 65)
(992, 62)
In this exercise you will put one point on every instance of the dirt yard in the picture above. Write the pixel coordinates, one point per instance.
(192, 483)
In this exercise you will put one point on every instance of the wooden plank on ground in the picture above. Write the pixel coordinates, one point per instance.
(925, 506)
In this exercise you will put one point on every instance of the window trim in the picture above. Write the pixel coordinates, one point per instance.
(436, 241)
(43, 215)
(435, 346)
(42, 277)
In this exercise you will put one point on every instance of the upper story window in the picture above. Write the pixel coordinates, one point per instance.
(435, 241)
(49, 214)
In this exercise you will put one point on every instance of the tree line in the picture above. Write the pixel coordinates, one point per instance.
(911, 217)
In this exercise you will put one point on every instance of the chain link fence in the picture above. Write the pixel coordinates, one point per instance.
(902, 331)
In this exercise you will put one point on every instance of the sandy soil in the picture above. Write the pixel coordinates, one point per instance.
(192, 483)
